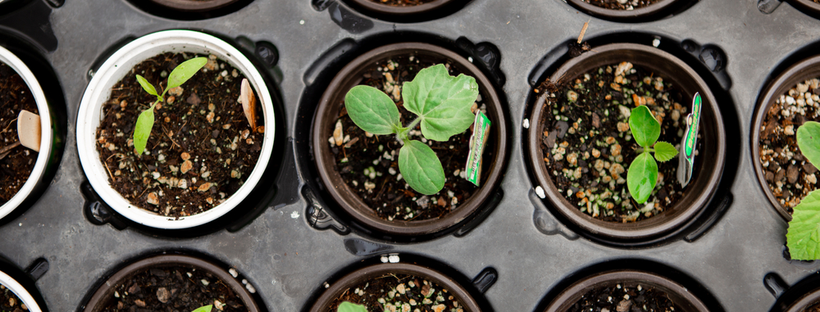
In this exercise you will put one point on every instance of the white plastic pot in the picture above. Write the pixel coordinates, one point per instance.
(46, 138)
(20, 291)
(120, 64)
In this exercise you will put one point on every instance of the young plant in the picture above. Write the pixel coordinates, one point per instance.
(145, 121)
(351, 307)
(442, 105)
(803, 236)
(206, 308)
(643, 171)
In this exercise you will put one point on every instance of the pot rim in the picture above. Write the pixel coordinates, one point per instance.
(352, 203)
(194, 6)
(46, 134)
(804, 69)
(642, 229)
(643, 12)
(805, 302)
(355, 277)
(112, 71)
(19, 290)
(106, 289)
(807, 5)
(574, 292)
(378, 8)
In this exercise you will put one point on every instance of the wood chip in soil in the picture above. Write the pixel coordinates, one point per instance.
(399, 292)
(622, 4)
(201, 147)
(621, 298)
(17, 166)
(369, 163)
(9, 302)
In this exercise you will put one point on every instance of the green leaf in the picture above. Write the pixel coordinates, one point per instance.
(808, 139)
(351, 307)
(441, 101)
(642, 177)
(420, 166)
(645, 129)
(372, 110)
(185, 71)
(206, 308)
(147, 86)
(664, 151)
(142, 130)
(803, 236)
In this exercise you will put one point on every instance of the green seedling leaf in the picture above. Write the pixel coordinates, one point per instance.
(441, 101)
(206, 308)
(185, 71)
(420, 166)
(645, 128)
(808, 139)
(351, 307)
(803, 236)
(372, 110)
(642, 177)
(147, 86)
(142, 130)
(665, 151)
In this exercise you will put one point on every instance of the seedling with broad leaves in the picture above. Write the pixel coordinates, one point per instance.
(643, 171)
(442, 104)
(176, 78)
(351, 307)
(803, 236)
(206, 308)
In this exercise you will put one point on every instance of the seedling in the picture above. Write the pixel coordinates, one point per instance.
(178, 76)
(206, 308)
(643, 171)
(442, 105)
(803, 236)
(351, 307)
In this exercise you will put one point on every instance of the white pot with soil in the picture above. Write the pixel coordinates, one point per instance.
(18, 291)
(154, 211)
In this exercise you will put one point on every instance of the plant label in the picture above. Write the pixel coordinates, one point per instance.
(686, 158)
(28, 130)
(481, 130)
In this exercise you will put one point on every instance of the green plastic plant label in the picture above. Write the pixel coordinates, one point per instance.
(481, 130)
(690, 139)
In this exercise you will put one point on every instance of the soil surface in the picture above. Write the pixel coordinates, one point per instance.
(622, 298)
(588, 146)
(16, 167)
(399, 292)
(9, 302)
(403, 3)
(201, 147)
(177, 288)
(369, 163)
(788, 174)
(623, 4)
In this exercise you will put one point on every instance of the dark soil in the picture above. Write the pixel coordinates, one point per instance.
(788, 174)
(587, 145)
(403, 3)
(623, 298)
(201, 147)
(172, 289)
(399, 292)
(623, 4)
(358, 153)
(16, 167)
(9, 302)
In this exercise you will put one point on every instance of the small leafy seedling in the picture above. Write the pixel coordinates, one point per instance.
(351, 307)
(206, 308)
(442, 105)
(643, 171)
(803, 236)
(178, 76)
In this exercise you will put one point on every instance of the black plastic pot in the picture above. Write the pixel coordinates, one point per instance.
(416, 13)
(807, 6)
(708, 164)
(650, 12)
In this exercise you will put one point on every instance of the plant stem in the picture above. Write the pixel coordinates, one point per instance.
(414, 123)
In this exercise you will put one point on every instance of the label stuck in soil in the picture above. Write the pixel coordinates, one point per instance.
(481, 129)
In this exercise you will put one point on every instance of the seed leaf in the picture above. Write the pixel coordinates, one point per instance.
(441, 101)
(372, 110)
(803, 236)
(185, 71)
(642, 177)
(645, 128)
(808, 139)
(206, 308)
(420, 166)
(142, 130)
(351, 307)
(147, 86)
(664, 151)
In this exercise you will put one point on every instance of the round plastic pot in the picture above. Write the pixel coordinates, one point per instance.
(374, 271)
(804, 302)
(120, 64)
(645, 13)
(630, 278)
(47, 135)
(807, 6)
(194, 5)
(708, 164)
(106, 290)
(401, 11)
(806, 69)
(350, 202)
(20, 291)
